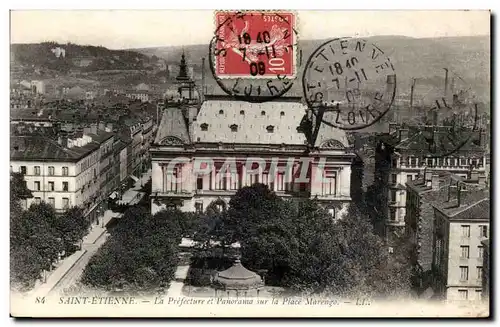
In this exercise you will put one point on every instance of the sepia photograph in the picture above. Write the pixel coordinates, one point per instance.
(250, 163)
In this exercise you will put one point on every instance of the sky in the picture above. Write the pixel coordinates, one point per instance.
(122, 29)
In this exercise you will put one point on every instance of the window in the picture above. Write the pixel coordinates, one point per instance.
(394, 178)
(479, 295)
(430, 162)
(394, 163)
(465, 231)
(23, 170)
(37, 170)
(451, 161)
(221, 112)
(464, 250)
(474, 163)
(242, 112)
(265, 179)
(464, 273)
(52, 202)
(37, 186)
(413, 162)
(262, 113)
(51, 186)
(270, 129)
(393, 195)
(479, 272)
(204, 127)
(483, 231)
(281, 182)
(65, 203)
(65, 171)
(463, 294)
(392, 214)
(331, 211)
(199, 183)
(65, 186)
(38, 200)
(463, 161)
(329, 185)
(480, 251)
(51, 170)
(234, 128)
(409, 177)
(282, 113)
(198, 206)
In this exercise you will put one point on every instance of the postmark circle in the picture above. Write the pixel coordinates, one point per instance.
(349, 83)
(253, 54)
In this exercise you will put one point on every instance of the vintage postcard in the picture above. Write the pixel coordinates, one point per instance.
(250, 163)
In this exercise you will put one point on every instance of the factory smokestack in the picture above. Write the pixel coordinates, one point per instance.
(445, 81)
(202, 79)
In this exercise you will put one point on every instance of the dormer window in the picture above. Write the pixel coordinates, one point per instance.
(270, 129)
(221, 112)
(234, 128)
(204, 127)
(242, 112)
(262, 113)
(282, 113)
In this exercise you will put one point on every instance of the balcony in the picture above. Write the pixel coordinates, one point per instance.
(216, 192)
(173, 194)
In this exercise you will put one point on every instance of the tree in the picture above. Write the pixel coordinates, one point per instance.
(71, 227)
(141, 254)
(304, 249)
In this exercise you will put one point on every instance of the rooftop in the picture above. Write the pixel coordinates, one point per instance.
(473, 205)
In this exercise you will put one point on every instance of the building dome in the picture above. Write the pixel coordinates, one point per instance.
(237, 277)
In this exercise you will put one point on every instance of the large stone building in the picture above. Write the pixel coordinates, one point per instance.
(400, 158)
(72, 170)
(430, 187)
(461, 223)
(223, 130)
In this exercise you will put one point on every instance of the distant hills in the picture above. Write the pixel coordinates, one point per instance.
(420, 58)
(85, 58)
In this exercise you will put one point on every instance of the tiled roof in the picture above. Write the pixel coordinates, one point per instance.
(474, 204)
(417, 141)
(172, 124)
(272, 122)
(36, 148)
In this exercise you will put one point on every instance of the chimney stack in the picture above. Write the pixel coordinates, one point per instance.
(428, 178)
(390, 84)
(435, 182)
(445, 81)
(202, 79)
(403, 134)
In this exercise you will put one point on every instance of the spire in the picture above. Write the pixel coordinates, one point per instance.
(183, 76)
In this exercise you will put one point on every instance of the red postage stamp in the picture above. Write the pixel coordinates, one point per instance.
(255, 44)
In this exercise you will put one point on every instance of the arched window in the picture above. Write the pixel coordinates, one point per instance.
(242, 112)
(221, 112)
(234, 128)
(270, 129)
(204, 127)
(262, 113)
(282, 113)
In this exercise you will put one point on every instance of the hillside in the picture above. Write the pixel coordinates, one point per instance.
(66, 57)
(421, 58)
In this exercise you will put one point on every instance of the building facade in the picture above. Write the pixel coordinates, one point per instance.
(430, 187)
(224, 133)
(460, 226)
(62, 172)
(402, 157)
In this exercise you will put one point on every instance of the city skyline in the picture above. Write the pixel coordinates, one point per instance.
(127, 29)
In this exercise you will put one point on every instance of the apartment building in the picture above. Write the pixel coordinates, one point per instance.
(63, 171)
(461, 224)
